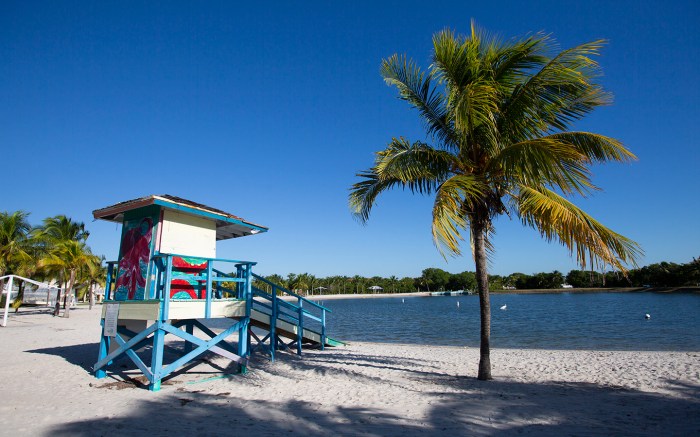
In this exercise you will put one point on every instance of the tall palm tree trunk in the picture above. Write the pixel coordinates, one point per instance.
(482, 281)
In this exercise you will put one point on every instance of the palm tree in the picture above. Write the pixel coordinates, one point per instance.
(95, 273)
(16, 248)
(498, 117)
(69, 257)
(62, 228)
(52, 234)
(15, 244)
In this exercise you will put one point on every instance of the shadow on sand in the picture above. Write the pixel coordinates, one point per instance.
(463, 406)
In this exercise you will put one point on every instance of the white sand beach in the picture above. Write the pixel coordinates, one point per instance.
(360, 389)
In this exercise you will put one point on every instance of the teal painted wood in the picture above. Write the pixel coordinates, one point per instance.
(323, 329)
(300, 327)
(202, 347)
(207, 307)
(273, 324)
(244, 292)
(157, 356)
(128, 345)
(108, 283)
(165, 308)
(212, 334)
(102, 352)
(104, 340)
(134, 358)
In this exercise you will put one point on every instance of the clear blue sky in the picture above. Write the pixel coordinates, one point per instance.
(268, 110)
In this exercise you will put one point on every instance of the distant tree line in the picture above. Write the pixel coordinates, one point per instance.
(54, 251)
(662, 274)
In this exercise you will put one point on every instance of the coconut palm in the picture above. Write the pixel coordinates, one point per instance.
(94, 273)
(497, 117)
(53, 232)
(69, 257)
(15, 244)
(62, 228)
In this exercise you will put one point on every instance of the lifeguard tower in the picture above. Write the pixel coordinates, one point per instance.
(165, 283)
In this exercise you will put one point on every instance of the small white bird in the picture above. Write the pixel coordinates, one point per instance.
(647, 316)
(457, 304)
(402, 301)
(504, 307)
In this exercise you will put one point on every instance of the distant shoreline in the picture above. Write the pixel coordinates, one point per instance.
(684, 289)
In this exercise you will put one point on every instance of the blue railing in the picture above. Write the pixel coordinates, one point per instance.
(295, 312)
(163, 263)
(279, 304)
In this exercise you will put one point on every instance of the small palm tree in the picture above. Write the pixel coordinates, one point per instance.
(52, 234)
(69, 257)
(498, 116)
(95, 273)
(15, 244)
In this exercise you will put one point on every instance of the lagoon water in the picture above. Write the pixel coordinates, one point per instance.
(598, 321)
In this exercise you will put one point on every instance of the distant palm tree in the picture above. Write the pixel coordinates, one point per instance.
(498, 116)
(62, 228)
(52, 234)
(69, 257)
(94, 273)
(15, 243)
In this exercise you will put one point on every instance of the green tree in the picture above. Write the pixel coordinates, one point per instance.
(15, 241)
(61, 228)
(498, 117)
(578, 278)
(435, 279)
(462, 281)
(69, 257)
(95, 273)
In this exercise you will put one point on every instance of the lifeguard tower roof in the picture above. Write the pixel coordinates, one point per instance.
(227, 224)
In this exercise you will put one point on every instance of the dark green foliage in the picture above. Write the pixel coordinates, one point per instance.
(664, 274)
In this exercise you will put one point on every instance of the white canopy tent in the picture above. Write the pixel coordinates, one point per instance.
(8, 291)
(375, 288)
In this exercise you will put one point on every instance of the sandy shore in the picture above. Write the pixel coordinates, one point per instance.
(361, 389)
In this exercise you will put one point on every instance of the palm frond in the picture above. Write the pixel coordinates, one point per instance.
(417, 166)
(597, 148)
(363, 194)
(546, 161)
(453, 200)
(558, 219)
(512, 63)
(561, 92)
(416, 87)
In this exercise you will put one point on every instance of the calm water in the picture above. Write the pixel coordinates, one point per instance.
(607, 321)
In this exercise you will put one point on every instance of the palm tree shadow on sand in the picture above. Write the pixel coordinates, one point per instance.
(465, 406)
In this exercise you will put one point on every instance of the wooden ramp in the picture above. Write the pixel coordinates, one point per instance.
(289, 330)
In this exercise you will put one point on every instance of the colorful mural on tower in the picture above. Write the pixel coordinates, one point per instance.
(133, 263)
(189, 278)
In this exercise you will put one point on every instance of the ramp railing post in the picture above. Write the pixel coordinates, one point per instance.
(273, 324)
(245, 292)
(207, 308)
(300, 326)
(323, 328)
